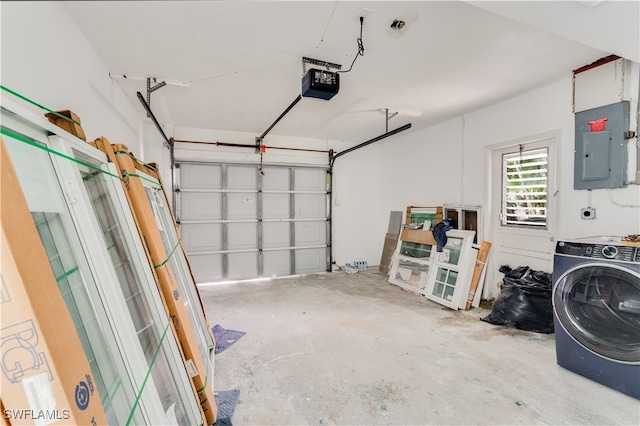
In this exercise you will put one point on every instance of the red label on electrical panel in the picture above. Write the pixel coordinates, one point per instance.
(599, 125)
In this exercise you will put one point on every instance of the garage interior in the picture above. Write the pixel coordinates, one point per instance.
(339, 183)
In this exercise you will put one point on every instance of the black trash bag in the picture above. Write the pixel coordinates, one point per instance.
(524, 301)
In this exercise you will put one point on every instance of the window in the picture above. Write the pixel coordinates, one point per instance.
(524, 188)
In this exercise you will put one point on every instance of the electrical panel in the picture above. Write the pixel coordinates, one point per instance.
(600, 148)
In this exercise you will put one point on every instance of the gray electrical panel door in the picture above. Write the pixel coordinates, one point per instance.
(600, 147)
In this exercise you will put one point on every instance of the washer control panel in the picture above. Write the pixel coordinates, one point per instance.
(608, 251)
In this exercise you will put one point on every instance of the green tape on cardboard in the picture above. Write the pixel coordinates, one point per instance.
(154, 183)
(206, 379)
(168, 257)
(128, 154)
(24, 98)
(135, 159)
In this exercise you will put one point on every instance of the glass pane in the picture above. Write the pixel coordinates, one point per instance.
(452, 278)
(73, 288)
(442, 274)
(417, 250)
(150, 330)
(420, 215)
(412, 273)
(453, 247)
(448, 293)
(438, 289)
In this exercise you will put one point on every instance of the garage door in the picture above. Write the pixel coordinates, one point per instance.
(237, 223)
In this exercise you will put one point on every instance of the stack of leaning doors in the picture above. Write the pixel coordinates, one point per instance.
(139, 324)
(159, 230)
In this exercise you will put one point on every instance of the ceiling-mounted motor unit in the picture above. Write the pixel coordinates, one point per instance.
(320, 84)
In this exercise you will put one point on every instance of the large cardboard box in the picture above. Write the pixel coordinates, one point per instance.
(46, 377)
(71, 124)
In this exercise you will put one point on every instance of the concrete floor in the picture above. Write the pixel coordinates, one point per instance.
(346, 349)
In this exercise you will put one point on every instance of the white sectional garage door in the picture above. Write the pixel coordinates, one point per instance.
(237, 223)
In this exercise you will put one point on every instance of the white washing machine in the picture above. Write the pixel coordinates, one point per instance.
(596, 308)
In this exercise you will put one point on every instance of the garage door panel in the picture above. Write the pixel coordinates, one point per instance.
(206, 268)
(310, 233)
(253, 221)
(310, 180)
(310, 260)
(243, 266)
(310, 206)
(242, 236)
(275, 206)
(200, 176)
(242, 206)
(275, 179)
(201, 237)
(277, 263)
(242, 177)
(200, 206)
(276, 234)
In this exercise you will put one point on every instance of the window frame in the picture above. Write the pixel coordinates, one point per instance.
(523, 152)
(548, 141)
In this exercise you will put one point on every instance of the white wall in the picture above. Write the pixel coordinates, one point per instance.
(46, 58)
(359, 224)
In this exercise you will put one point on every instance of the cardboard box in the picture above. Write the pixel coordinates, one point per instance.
(46, 377)
(418, 236)
(71, 127)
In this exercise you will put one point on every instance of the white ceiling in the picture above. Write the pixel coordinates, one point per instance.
(241, 61)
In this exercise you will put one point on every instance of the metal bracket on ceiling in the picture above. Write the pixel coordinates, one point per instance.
(150, 90)
(388, 116)
(327, 65)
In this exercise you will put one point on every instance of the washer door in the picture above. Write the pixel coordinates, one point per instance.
(598, 304)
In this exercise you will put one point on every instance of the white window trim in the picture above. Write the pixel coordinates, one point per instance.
(549, 140)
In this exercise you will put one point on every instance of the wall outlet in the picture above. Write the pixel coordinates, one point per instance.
(588, 213)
